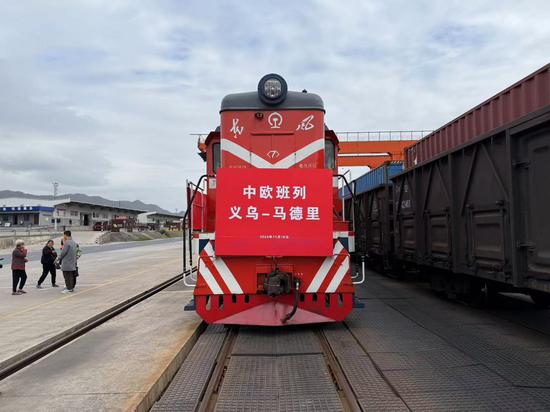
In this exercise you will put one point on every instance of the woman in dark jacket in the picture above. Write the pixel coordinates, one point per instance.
(48, 264)
(18, 261)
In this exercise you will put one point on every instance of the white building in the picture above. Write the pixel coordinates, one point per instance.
(68, 213)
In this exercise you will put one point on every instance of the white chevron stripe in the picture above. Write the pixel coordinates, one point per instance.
(211, 235)
(324, 269)
(257, 161)
(210, 281)
(338, 276)
(224, 271)
(301, 154)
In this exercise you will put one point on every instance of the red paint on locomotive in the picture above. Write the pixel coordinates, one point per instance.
(269, 269)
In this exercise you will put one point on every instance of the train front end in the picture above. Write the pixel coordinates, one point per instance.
(274, 249)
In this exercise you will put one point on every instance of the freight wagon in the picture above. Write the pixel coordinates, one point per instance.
(522, 98)
(372, 212)
(475, 219)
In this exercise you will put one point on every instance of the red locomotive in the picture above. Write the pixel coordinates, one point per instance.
(273, 246)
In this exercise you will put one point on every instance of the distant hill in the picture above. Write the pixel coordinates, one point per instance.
(135, 204)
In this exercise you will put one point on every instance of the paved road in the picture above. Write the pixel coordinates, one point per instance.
(87, 249)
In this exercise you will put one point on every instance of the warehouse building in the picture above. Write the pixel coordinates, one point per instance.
(67, 213)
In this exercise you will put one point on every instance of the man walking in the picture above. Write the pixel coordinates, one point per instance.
(67, 259)
(48, 264)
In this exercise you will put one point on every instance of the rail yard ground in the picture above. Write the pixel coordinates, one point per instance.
(406, 350)
(108, 275)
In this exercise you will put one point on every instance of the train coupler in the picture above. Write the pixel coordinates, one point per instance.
(277, 283)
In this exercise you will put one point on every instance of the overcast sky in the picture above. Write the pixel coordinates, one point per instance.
(101, 96)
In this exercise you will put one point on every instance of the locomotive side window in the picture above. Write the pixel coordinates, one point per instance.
(216, 157)
(330, 162)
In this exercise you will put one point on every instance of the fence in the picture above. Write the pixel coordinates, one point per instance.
(9, 236)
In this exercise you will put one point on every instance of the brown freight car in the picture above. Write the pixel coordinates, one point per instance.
(472, 210)
(476, 219)
(526, 96)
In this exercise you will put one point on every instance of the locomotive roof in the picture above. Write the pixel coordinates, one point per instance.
(251, 101)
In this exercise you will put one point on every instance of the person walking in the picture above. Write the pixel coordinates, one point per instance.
(67, 260)
(18, 261)
(48, 264)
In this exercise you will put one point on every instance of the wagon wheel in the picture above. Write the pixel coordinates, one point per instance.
(483, 293)
(490, 293)
(541, 299)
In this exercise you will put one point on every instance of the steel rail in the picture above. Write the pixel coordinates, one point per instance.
(31, 355)
(344, 389)
(211, 390)
(376, 366)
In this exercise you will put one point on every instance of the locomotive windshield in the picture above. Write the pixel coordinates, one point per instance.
(216, 157)
(329, 155)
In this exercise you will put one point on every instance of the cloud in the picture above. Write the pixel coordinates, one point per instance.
(35, 163)
(102, 95)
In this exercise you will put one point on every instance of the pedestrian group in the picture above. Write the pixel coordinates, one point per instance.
(51, 261)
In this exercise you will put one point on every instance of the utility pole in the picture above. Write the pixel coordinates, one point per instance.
(55, 187)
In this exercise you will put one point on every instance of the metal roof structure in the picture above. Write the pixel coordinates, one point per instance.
(34, 202)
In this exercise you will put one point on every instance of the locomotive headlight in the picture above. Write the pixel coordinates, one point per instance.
(272, 89)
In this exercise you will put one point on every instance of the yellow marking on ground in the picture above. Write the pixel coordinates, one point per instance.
(70, 295)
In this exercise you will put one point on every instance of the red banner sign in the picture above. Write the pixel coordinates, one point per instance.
(274, 212)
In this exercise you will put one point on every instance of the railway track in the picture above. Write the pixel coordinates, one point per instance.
(31, 355)
(289, 368)
(341, 385)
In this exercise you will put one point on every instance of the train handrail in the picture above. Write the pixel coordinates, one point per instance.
(343, 177)
(363, 277)
(190, 276)
(187, 216)
(352, 193)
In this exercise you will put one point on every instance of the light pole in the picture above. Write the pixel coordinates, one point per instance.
(55, 187)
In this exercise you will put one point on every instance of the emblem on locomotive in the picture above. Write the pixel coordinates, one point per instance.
(306, 123)
(236, 129)
(275, 120)
(273, 154)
